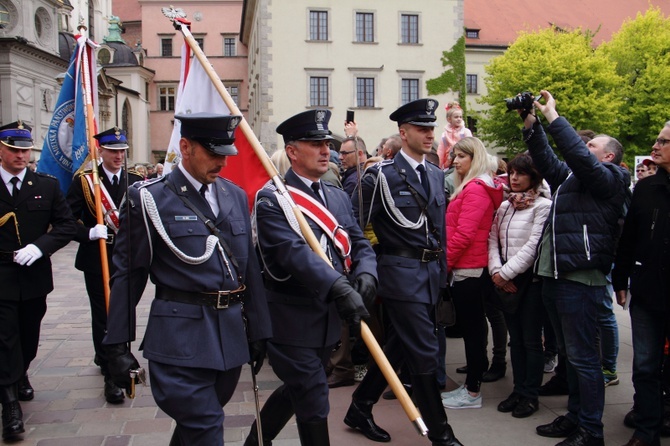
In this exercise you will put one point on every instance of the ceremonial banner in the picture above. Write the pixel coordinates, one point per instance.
(66, 143)
(197, 94)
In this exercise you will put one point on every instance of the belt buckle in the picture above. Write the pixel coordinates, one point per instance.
(425, 256)
(219, 305)
(110, 239)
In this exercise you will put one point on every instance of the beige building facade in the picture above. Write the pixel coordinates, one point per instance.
(369, 56)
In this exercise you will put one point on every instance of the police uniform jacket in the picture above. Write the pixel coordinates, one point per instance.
(404, 278)
(88, 254)
(40, 204)
(177, 333)
(297, 279)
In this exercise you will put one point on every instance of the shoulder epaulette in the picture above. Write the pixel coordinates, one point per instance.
(45, 175)
(134, 172)
(149, 182)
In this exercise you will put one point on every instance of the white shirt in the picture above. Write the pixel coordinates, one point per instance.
(210, 194)
(412, 162)
(7, 177)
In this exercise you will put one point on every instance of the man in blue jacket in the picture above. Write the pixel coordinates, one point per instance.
(575, 255)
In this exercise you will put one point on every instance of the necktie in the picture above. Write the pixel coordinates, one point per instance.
(203, 189)
(15, 190)
(315, 188)
(115, 181)
(424, 179)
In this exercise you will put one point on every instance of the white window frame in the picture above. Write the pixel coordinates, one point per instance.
(318, 72)
(161, 95)
(419, 26)
(235, 38)
(309, 24)
(374, 26)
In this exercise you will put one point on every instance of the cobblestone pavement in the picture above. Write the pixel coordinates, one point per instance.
(70, 410)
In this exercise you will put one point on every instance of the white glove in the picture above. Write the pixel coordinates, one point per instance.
(97, 232)
(27, 255)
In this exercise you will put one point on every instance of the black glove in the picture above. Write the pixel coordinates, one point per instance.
(257, 351)
(366, 285)
(119, 363)
(349, 304)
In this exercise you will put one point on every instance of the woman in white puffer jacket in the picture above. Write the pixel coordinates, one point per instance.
(515, 234)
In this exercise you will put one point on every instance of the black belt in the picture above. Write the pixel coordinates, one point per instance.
(110, 238)
(6, 257)
(219, 300)
(425, 255)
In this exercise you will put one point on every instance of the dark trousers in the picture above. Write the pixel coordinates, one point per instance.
(96, 297)
(20, 323)
(194, 398)
(525, 334)
(469, 295)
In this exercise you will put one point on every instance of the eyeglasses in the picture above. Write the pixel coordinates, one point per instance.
(662, 141)
(346, 152)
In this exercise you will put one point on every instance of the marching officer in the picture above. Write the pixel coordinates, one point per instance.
(80, 197)
(305, 294)
(192, 235)
(35, 222)
(404, 200)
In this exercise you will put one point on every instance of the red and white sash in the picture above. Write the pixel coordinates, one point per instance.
(111, 213)
(320, 215)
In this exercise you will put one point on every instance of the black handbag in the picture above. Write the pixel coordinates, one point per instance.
(509, 302)
(445, 311)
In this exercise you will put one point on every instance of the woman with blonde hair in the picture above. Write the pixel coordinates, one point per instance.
(469, 219)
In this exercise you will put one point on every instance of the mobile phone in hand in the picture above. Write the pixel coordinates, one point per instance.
(350, 116)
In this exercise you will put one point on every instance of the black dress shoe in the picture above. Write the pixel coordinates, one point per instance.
(113, 394)
(26, 391)
(526, 408)
(560, 427)
(630, 420)
(555, 386)
(582, 438)
(510, 403)
(462, 370)
(494, 373)
(335, 381)
(12, 420)
(359, 416)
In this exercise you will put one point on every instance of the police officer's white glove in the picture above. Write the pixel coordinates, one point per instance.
(27, 255)
(97, 232)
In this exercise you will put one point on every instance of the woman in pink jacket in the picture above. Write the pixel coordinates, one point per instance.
(469, 219)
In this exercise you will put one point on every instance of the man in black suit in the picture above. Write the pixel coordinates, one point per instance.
(35, 222)
(80, 197)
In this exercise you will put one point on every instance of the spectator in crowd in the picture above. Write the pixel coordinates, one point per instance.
(469, 217)
(352, 157)
(643, 257)
(380, 147)
(142, 170)
(575, 254)
(641, 171)
(513, 241)
(454, 131)
(391, 147)
(651, 166)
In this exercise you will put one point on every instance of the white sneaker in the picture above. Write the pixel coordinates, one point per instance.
(359, 372)
(451, 393)
(463, 400)
(550, 363)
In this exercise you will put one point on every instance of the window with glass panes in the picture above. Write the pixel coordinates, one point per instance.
(365, 92)
(410, 90)
(365, 27)
(318, 91)
(409, 28)
(318, 25)
(166, 97)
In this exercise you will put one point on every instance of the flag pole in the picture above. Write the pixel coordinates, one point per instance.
(387, 370)
(93, 153)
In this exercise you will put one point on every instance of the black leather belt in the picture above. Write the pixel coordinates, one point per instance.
(6, 257)
(219, 300)
(425, 255)
(110, 238)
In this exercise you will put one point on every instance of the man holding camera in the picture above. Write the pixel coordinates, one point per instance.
(575, 255)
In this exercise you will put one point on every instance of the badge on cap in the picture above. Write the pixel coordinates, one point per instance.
(320, 116)
(117, 133)
(430, 106)
(20, 126)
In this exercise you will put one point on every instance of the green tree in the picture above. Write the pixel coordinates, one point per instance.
(641, 52)
(452, 79)
(583, 82)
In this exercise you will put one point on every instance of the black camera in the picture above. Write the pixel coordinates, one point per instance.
(522, 101)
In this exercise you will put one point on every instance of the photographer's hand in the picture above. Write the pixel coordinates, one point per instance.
(549, 107)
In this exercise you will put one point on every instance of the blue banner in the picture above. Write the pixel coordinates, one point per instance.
(66, 145)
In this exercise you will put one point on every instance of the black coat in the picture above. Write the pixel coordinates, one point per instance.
(40, 206)
(88, 255)
(643, 254)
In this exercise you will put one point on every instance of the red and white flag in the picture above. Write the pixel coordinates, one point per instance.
(197, 94)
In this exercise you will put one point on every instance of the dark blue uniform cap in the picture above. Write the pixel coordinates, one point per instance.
(16, 135)
(311, 125)
(214, 132)
(420, 112)
(113, 139)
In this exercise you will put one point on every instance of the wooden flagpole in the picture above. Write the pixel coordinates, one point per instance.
(376, 351)
(89, 113)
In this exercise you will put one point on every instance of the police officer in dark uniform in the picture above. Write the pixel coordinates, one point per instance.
(80, 197)
(35, 222)
(305, 294)
(191, 233)
(404, 199)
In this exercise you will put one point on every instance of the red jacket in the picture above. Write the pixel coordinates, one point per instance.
(469, 219)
